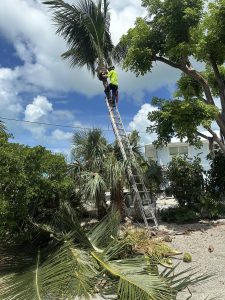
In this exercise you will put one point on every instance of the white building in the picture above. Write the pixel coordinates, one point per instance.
(164, 155)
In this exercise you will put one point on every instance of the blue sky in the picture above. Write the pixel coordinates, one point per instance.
(37, 86)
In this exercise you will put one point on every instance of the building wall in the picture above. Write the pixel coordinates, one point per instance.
(163, 157)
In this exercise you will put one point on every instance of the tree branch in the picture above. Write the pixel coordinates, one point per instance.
(168, 62)
(188, 69)
(204, 136)
(217, 139)
(220, 82)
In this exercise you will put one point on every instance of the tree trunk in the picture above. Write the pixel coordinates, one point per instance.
(101, 206)
(117, 200)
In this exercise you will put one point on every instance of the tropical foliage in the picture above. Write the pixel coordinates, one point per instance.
(85, 28)
(200, 194)
(75, 263)
(33, 184)
(177, 33)
(98, 167)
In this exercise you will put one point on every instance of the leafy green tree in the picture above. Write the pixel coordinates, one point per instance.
(186, 180)
(33, 182)
(216, 177)
(176, 33)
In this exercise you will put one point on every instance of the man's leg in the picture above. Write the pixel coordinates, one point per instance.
(114, 89)
(107, 91)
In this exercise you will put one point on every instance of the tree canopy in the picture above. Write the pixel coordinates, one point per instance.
(178, 33)
(85, 28)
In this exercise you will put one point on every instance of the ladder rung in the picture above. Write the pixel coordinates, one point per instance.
(142, 198)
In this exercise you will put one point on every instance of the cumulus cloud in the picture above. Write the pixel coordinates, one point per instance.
(38, 109)
(32, 33)
(29, 28)
(140, 122)
(10, 104)
(61, 135)
(41, 110)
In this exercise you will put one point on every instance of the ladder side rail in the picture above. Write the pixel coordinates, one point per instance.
(125, 135)
(115, 116)
(147, 196)
(115, 129)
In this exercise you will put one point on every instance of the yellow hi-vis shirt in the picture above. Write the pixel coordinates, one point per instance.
(113, 77)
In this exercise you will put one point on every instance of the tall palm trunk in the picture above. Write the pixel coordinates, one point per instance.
(117, 199)
(101, 205)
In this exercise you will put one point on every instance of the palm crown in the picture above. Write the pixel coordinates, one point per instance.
(85, 28)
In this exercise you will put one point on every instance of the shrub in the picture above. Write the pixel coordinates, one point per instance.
(179, 215)
(216, 176)
(186, 180)
(33, 181)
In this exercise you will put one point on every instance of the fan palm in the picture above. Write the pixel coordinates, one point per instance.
(80, 264)
(90, 152)
(97, 169)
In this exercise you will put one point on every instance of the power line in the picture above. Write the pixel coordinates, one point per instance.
(50, 124)
(58, 125)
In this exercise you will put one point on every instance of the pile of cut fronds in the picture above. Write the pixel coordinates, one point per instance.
(76, 263)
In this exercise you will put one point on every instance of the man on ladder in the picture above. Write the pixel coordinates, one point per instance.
(113, 86)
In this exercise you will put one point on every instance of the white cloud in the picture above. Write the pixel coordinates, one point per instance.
(60, 135)
(31, 30)
(38, 109)
(140, 123)
(10, 102)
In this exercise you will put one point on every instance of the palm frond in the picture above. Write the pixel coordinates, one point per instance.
(85, 28)
(65, 225)
(133, 280)
(182, 279)
(65, 274)
(105, 231)
(119, 53)
(94, 184)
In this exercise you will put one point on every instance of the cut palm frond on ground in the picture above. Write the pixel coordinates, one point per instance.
(105, 264)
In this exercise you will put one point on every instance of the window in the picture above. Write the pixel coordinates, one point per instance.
(178, 150)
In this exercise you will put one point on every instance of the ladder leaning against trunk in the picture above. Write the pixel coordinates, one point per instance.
(142, 199)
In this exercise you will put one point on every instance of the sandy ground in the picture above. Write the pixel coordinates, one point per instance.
(205, 241)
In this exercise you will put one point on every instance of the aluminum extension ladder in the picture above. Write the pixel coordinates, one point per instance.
(141, 195)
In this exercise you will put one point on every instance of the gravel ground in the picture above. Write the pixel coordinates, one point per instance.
(205, 241)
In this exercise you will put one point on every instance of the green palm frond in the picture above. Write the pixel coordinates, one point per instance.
(64, 271)
(180, 280)
(134, 282)
(90, 148)
(115, 171)
(65, 274)
(94, 184)
(85, 28)
(119, 53)
(65, 225)
(105, 231)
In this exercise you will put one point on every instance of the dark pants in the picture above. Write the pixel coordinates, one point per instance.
(114, 89)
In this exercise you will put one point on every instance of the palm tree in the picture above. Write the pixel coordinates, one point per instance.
(89, 153)
(98, 168)
(85, 28)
